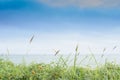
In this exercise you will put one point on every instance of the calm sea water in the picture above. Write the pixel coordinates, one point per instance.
(82, 59)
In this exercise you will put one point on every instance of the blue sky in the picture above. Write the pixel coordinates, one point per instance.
(59, 25)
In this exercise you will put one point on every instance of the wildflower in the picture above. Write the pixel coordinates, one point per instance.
(33, 72)
(40, 67)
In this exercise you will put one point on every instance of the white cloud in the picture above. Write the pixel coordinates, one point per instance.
(82, 3)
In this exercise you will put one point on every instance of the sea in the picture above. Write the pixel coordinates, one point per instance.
(90, 60)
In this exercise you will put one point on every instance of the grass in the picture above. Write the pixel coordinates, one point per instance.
(58, 70)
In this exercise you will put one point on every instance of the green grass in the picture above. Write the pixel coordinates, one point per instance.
(55, 71)
(58, 70)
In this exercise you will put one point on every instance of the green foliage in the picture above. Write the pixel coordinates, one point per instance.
(55, 71)
(59, 70)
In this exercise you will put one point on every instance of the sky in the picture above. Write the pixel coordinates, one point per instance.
(59, 25)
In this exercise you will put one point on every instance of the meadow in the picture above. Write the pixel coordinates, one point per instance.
(58, 70)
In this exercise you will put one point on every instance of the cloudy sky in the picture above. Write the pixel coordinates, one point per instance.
(59, 24)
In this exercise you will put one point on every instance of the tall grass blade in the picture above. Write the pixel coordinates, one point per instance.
(31, 39)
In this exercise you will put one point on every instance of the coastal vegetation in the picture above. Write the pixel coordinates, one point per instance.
(58, 70)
